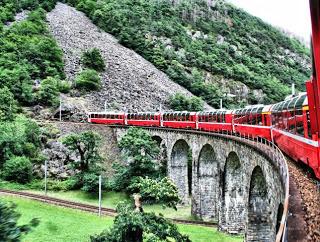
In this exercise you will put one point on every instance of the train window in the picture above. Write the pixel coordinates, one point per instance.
(308, 124)
(299, 122)
(187, 117)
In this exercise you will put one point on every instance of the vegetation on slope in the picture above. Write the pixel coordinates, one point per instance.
(196, 44)
(28, 55)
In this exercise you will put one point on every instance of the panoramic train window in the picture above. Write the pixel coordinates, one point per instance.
(299, 122)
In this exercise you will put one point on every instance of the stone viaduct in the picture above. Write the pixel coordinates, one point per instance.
(226, 180)
(241, 185)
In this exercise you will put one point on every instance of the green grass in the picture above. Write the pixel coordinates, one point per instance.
(67, 225)
(109, 200)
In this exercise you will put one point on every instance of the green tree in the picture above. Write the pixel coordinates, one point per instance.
(48, 92)
(156, 191)
(180, 102)
(20, 137)
(140, 152)
(8, 106)
(92, 59)
(88, 80)
(18, 168)
(10, 230)
(133, 226)
(86, 146)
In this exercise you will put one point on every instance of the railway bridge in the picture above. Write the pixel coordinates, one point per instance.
(240, 183)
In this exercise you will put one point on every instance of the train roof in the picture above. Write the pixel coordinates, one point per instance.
(250, 109)
(296, 102)
(218, 111)
(179, 112)
(109, 112)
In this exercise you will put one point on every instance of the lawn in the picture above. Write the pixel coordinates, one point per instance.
(109, 200)
(67, 225)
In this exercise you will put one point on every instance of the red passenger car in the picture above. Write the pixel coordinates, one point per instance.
(253, 121)
(106, 118)
(215, 121)
(143, 119)
(184, 120)
(292, 131)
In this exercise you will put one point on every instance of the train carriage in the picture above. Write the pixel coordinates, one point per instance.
(215, 121)
(143, 119)
(107, 118)
(291, 131)
(253, 121)
(185, 120)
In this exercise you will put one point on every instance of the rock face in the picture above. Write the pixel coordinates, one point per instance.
(129, 83)
(58, 158)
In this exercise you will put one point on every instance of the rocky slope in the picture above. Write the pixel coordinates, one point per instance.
(129, 83)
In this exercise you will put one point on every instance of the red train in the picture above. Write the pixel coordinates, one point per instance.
(294, 124)
(287, 123)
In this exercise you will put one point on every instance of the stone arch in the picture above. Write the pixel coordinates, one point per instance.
(232, 218)
(208, 184)
(178, 168)
(259, 225)
(158, 139)
(162, 156)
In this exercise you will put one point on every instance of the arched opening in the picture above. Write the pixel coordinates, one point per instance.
(232, 218)
(207, 183)
(178, 169)
(162, 156)
(259, 222)
(279, 216)
(158, 139)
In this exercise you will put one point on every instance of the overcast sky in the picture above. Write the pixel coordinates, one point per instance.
(292, 15)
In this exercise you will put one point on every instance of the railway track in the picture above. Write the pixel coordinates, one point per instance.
(88, 207)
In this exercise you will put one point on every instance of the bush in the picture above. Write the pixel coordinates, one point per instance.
(8, 106)
(18, 168)
(180, 102)
(48, 92)
(88, 80)
(64, 86)
(91, 183)
(130, 225)
(152, 191)
(92, 59)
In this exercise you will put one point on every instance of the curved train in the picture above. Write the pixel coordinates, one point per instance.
(293, 124)
(287, 123)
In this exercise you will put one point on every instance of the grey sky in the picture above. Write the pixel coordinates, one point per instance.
(291, 15)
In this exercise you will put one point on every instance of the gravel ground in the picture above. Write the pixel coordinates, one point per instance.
(310, 196)
(129, 82)
(19, 17)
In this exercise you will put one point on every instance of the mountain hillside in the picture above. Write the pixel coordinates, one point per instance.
(129, 82)
(210, 47)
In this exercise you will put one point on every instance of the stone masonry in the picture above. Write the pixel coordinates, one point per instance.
(232, 183)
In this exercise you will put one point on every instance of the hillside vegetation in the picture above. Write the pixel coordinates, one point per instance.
(209, 47)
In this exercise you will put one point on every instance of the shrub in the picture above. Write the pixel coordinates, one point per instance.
(7, 105)
(88, 80)
(91, 183)
(152, 191)
(130, 225)
(48, 93)
(18, 168)
(180, 102)
(64, 86)
(92, 59)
